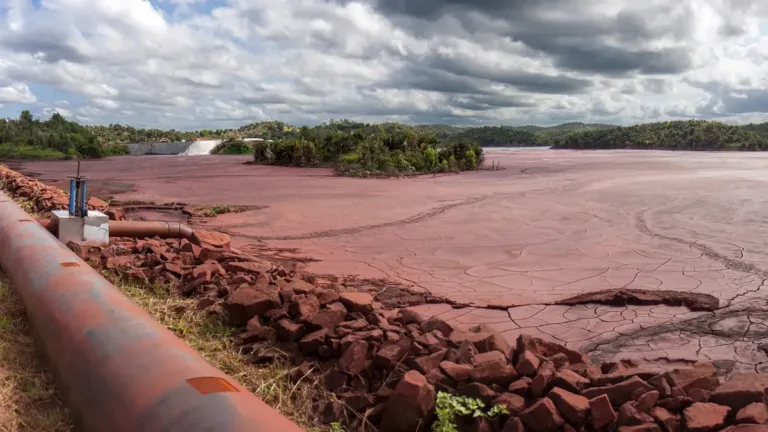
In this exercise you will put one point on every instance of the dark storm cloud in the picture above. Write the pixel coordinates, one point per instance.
(525, 81)
(423, 78)
(48, 49)
(727, 100)
(573, 38)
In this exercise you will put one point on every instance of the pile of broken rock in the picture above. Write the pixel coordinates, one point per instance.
(42, 198)
(386, 365)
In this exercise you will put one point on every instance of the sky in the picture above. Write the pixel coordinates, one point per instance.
(192, 64)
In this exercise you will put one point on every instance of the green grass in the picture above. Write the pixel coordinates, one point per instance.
(8, 151)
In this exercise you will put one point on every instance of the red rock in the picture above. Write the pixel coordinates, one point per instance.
(97, 204)
(466, 352)
(548, 349)
(249, 267)
(675, 404)
(701, 375)
(489, 357)
(326, 296)
(620, 375)
(659, 382)
(647, 401)
(741, 390)
(173, 268)
(391, 354)
(477, 391)
(300, 287)
(355, 358)
(246, 302)
(210, 238)
(484, 340)
(527, 364)
(337, 307)
(207, 270)
(572, 406)
(358, 402)
(756, 413)
(430, 362)
(411, 402)
(357, 302)
(618, 393)
(276, 315)
(355, 325)
(137, 275)
(493, 370)
(303, 306)
(435, 323)
(629, 416)
(746, 428)
(678, 392)
(699, 395)
(648, 427)
(520, 387)
(542, 416)
(371, 335)
(257, 334)
(602, 412)
(570, 381)
(543, 379)
(311, 342)
(705, 417)
(441, 381)
(514, 403)
(560, 360)
(514, 424)
(411, 317)
(324, 318)
(118, 262)
(456, 371)
(666, 419)
(335, 380)
(289, 331)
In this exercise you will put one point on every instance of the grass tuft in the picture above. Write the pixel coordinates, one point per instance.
(212, 338)
(28, 399)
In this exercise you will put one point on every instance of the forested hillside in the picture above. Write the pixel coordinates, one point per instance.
(674, 135)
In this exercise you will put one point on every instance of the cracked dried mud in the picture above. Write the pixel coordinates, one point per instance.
(684, 234)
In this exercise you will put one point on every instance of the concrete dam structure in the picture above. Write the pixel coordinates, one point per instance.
(184, 148)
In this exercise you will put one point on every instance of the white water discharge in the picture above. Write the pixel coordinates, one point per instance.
(198, 148)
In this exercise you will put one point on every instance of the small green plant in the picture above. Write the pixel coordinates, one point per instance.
(336, 427)
(449, 406)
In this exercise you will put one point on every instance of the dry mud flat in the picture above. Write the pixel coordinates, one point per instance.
(517, 242)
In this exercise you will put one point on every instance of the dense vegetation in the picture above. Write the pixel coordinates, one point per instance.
(233, 146)
(674, 135)
(56, 138)
(361, 149)
(371, 149)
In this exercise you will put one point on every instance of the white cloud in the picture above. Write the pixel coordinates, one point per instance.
(18, 93)
(164, 64)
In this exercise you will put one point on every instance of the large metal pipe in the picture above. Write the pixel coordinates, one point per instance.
(117, 368)
(137, 229)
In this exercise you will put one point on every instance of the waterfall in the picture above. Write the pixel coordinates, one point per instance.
(201, 147)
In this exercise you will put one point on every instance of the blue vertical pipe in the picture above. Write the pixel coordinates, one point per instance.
(72, 195)
(83, 200)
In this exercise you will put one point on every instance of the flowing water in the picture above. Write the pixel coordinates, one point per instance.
(198, 148)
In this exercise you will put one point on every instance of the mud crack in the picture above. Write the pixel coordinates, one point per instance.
(730, 263)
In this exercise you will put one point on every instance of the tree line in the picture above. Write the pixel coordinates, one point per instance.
(671, 135)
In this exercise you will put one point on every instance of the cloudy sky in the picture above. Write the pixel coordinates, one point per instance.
(223, 63)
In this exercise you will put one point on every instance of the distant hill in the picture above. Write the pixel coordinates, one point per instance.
(672, 135)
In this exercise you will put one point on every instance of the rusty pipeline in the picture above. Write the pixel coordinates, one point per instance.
(137, 229)
(117, 368)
